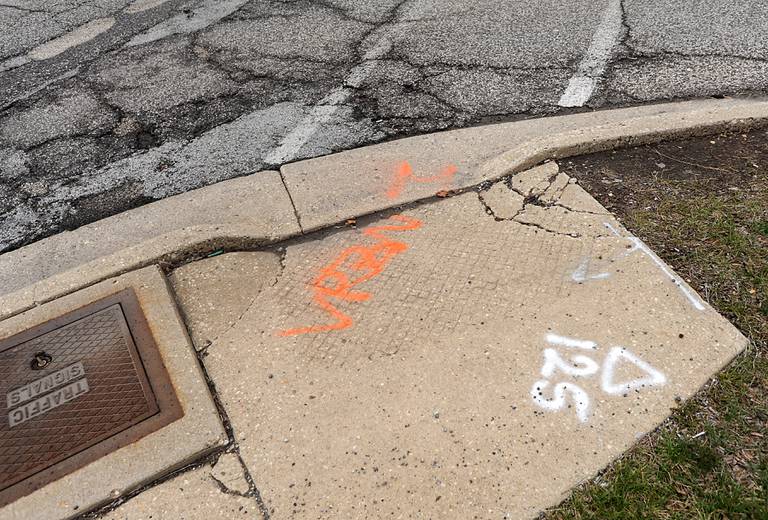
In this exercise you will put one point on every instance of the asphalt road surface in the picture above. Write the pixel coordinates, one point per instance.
(108, 104)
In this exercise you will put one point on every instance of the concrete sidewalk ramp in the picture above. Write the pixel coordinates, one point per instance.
(472, 357)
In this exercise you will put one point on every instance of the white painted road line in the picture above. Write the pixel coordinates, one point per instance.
(583, 83)
(140, 6)
(324, 110)
(210, 12)
(56, 46)
(78, 36)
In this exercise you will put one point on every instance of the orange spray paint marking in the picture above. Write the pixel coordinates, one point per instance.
(363, 263)
(404, 175)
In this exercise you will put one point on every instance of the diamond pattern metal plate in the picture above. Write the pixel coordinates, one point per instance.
(77, 388)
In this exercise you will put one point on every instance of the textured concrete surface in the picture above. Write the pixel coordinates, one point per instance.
(206, 90)
(213, 296)
(193, 495)
(194, 435)
(251, 210)
(471, 357)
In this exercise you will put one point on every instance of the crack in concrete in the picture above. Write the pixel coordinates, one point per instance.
(253, 489)
(233, 446)
(281, 257)
(223, 487)
(548, 230)
(514, 218)
(293, 204)
(441, 112)
(584, 211)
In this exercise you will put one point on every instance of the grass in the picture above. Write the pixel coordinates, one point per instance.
(710, 460)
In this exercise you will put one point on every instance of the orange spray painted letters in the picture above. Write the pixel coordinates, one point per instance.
(363, 264)
(404, 175)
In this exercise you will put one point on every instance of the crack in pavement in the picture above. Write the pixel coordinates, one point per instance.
(24, 9)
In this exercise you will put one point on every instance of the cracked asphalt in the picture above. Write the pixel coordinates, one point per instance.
(109, 104)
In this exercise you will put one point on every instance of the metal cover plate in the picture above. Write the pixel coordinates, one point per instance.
(77, 388)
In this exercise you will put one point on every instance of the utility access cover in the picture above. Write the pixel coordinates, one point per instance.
(77, 388)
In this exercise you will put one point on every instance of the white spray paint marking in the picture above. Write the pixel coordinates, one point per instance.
(639, 245)
(583, 366)
(591, 68)
(210, 12)
(555, 339)
(615, 355)
(558, 402)
(581, 274)
(612, 229)
(692, 297)
(324, 110)
(553, 361)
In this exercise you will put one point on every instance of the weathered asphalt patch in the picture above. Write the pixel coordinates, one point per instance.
(480, 355)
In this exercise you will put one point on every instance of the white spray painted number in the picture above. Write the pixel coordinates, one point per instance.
(580, 398)
(584, 366)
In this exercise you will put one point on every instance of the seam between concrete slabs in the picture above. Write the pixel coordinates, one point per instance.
(704, 117)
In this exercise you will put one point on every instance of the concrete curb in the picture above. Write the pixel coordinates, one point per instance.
(309, 195)
(360, 179)
(243, 212)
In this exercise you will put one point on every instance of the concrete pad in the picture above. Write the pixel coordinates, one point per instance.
(196, 434)
(213, 296)
(443, 363)
(193, 495)
(331, 189)
(249, 210)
